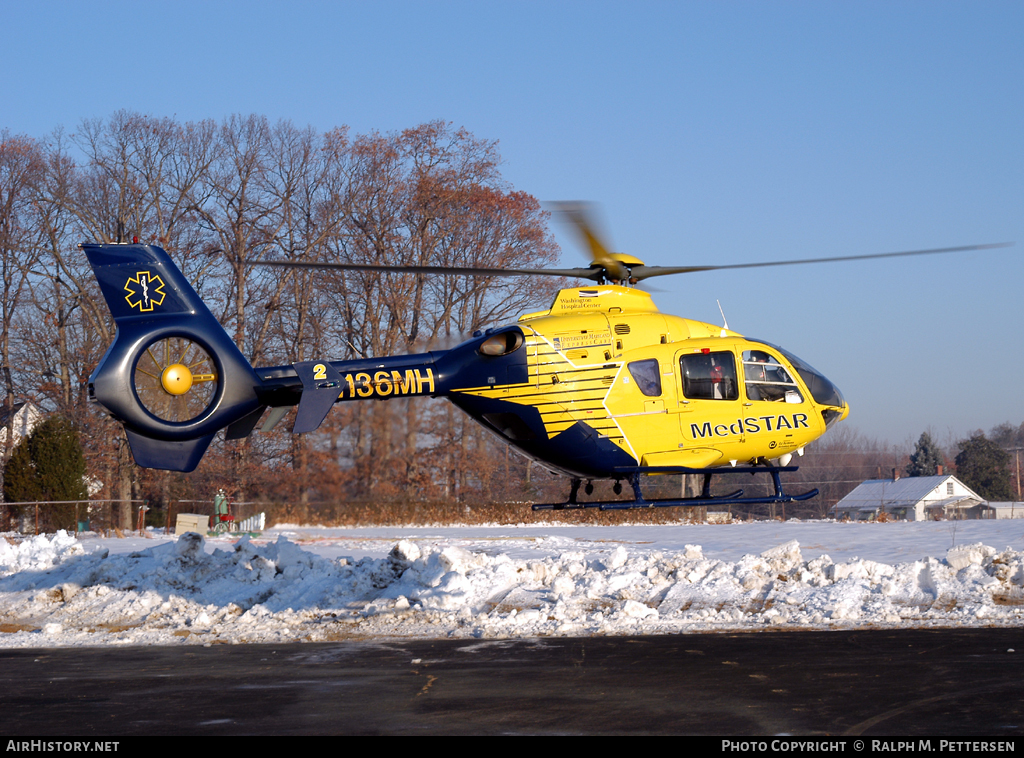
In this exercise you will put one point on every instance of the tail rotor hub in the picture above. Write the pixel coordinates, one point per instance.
(176, 379)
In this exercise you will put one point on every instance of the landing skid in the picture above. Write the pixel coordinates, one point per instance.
(705, 498)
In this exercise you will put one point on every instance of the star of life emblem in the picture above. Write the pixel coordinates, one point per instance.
(144, 291)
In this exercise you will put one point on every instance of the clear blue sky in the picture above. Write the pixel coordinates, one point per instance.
(709, 132)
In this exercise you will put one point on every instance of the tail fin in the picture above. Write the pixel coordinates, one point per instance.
(172, 376)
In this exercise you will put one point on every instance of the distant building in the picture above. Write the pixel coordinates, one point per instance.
(1006, 509)
(913, 498)
(26, 417)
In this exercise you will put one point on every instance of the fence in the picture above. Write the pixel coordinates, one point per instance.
(98, 514)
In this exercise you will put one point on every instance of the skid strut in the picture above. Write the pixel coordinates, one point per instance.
(639, 501)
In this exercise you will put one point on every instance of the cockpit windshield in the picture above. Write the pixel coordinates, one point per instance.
(821, 389)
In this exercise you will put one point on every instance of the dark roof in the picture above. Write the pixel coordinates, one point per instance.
(4, 416)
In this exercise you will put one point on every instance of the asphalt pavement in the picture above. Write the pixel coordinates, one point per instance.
(927, 683)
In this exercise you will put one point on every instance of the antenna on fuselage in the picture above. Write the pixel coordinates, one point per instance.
(725, 324)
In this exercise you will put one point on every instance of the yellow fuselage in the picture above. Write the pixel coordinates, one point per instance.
(667, 391)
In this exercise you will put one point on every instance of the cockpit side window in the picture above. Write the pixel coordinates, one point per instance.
(766, 380)
(647, 376)
(709, 376)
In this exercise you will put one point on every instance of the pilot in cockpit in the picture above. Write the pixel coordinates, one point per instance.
(764, 377)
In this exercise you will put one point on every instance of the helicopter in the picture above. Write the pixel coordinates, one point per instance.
(600, 385)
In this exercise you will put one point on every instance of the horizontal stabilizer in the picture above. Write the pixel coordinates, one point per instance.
(243, 427)
(274, 417)
(321, 385)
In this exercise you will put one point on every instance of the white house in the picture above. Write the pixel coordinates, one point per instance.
(912, 498)
(26, 417)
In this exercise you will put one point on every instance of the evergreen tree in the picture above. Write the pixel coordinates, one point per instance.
(926, 458)
(984, 467)
(20, 483)
(48, 465)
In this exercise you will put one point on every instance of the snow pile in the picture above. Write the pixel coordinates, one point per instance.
(54, 592)
(37, 553)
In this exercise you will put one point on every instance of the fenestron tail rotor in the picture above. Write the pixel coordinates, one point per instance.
(172, 377)
(175, 379)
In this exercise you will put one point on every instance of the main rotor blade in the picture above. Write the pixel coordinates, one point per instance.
(597, 272)
(645, 272)
(576, 273)
(580, 216)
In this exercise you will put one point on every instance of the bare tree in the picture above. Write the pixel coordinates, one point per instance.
(218, 196)
(20, 166)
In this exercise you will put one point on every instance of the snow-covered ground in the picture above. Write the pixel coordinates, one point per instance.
(306, 583)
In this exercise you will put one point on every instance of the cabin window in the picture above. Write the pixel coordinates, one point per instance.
(766, 380)
(647, 376)
(709, 376)
(502, 343)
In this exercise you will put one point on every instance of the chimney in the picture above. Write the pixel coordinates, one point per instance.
(895, 474)
(938, 470)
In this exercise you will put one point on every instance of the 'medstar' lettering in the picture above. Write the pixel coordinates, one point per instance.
(750, 425)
